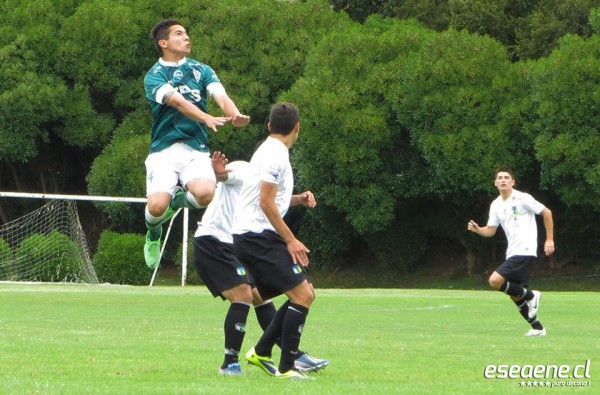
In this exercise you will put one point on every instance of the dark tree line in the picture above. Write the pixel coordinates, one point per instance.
(407, 108)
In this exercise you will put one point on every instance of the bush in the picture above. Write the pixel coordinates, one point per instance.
(51, 258)
(6, 258)
(120, 259)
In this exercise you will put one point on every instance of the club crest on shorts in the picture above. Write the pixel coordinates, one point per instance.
(297, 268)
(241, 271)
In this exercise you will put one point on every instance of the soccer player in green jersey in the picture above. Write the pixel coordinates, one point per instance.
(177, 88)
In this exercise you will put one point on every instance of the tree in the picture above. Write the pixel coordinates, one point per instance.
(565, 89)
(353, 152)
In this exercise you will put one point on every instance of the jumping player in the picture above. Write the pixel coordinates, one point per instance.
(177, 88)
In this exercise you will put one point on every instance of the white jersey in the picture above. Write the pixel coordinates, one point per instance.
(516, 215)
(218, 217)
(270, 163)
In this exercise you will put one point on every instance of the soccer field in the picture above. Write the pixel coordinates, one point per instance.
(78, 339)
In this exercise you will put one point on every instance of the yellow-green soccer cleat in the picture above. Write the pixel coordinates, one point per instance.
(152, 252)
(265, 363)
(293, 375)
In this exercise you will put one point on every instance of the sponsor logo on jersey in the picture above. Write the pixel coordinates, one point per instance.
(275, 171)
(177, 76)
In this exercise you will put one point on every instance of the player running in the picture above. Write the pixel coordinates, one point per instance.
(515, 211)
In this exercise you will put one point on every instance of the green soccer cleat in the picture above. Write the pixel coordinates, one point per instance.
(265, 363)
(152, 252)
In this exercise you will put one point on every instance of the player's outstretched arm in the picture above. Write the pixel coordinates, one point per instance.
(178, 102)
(230, 109)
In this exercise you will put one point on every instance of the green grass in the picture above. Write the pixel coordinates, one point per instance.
(77, 339)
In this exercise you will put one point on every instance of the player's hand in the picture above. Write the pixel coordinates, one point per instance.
(473, 227)
(212, 122)
(240, 120)
(307, 199)
(219, 161)
(549, 247)
(299, 252)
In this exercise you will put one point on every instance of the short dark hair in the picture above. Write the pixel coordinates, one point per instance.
(504, 169)
(283, 118)
(161, 30)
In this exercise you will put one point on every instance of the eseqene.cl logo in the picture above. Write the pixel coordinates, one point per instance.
(540, 375)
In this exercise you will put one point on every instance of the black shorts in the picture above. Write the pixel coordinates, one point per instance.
(269, 262)
(218, 266)
(516, 268)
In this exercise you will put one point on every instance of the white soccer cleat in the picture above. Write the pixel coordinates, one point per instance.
(534, 304)
(536, 332)
(307, 363)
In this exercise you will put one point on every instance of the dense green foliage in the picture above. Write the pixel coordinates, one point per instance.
(404, 118)
(6, 257)
(51, 258)
(119, 259)
(529, 29)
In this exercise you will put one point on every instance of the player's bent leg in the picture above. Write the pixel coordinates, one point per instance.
(156, 213)
(158, 203)
(202, 191)
(240, 293)
(496, 280)
(234, 326)
(302, 294)
(534, 303)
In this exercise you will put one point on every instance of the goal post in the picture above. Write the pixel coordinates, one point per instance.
(49, 245)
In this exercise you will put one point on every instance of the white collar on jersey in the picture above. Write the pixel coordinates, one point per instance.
(171, 64)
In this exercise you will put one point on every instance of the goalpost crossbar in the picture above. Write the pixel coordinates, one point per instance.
(93, 198)
(73, 197)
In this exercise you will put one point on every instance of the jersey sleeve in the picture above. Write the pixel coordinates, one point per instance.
(156, 85)
(531, 204)
(209, 76)
(272, 172)
(493, 219)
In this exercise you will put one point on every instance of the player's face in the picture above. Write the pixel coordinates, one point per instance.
(504, 181)
(178, 43)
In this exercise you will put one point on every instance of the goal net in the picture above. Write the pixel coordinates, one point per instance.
(46, 245)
